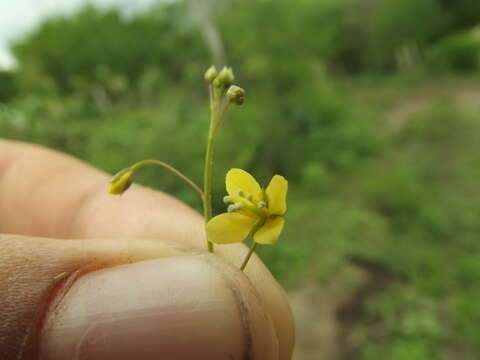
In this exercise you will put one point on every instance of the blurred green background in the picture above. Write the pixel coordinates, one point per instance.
(369, 108)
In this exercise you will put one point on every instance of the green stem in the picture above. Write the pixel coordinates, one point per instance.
(207, 188)
(207, 176)
(220, 117)
(170, 168)
(249, 255)
(216, 118)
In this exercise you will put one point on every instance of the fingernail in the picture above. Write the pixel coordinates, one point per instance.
(175, 308)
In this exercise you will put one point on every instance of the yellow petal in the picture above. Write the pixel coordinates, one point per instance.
(229, 228)
(277, 195)
(270, 231)
(238, 179)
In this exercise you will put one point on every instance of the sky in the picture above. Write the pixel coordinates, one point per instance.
(20, 16)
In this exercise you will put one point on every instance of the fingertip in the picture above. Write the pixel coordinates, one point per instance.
(184, 307)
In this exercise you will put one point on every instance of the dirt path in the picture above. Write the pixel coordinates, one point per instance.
(420, 99)
(326, 314)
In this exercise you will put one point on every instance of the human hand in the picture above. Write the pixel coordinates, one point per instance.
(135, 282)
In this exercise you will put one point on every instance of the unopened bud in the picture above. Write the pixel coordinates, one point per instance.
(236, 94)
(120, 182)
(224, 79)
(210, 74)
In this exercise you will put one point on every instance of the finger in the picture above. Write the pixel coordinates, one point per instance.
(74, 200)
(79, 207)
(115, 303)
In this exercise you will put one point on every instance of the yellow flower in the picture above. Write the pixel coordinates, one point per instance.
(251, 210)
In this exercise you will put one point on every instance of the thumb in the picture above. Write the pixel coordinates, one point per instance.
(126, 299)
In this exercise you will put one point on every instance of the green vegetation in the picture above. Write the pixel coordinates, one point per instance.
(343, 98)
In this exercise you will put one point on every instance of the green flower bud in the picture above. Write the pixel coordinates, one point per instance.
(210, 74)
(236, 95)
(121, 181)
(224, 79)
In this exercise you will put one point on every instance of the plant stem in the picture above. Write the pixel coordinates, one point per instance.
(249, 255)
(216, 118)
(172, 169)
(220, 116)
(207, 202)
(207, 178)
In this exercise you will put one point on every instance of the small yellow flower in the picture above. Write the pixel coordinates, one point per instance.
(251, 210)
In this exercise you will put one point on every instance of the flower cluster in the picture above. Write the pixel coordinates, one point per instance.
(251, 210)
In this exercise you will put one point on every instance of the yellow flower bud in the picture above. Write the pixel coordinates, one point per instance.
(210, 74)
(224, 79)
(236, 95)
(121, 181)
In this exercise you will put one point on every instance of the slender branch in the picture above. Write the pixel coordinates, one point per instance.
(173, 170)
(255, 228)
(216, 118)
(249, 255)
(221, 116)
(207, 178)
(207, 209)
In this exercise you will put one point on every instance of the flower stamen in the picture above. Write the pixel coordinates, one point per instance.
(234, 207)
(251, 207)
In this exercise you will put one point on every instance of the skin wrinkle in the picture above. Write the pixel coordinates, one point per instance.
(27, 345)
(53, 297)
(57, 300)
(14, 329)
(233, 284)
(65, 284)
(245, 317)
(244, 313)
(23, 345)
